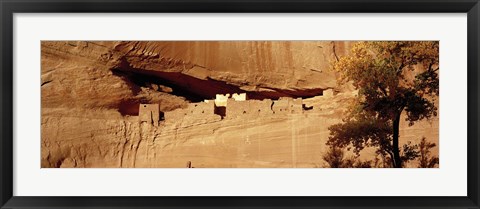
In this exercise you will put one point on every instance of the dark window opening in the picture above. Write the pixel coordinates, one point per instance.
(304, 107)
(220, 111)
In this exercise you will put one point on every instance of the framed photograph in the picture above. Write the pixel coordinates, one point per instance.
(237, 104)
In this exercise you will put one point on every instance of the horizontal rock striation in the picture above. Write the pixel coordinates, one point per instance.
(91, 92)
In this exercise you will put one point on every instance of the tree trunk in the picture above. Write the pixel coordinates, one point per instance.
(396, 150)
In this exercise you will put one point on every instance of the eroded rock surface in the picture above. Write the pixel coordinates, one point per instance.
(91, 92)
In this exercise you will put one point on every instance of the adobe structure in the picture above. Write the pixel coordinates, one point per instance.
(149, 113)
(226, 106)
(328, 93)
(221, 101)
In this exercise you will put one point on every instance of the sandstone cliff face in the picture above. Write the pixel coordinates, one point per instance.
(91, 93)
(249, 65)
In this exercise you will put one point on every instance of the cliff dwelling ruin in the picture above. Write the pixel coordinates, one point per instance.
(214, 104)
(227, 106)
(149, 113)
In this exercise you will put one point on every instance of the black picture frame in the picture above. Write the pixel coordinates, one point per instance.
(9, 7)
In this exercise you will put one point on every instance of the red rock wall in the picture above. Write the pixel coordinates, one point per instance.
(91, 92)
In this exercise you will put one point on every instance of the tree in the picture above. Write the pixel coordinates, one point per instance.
(335, 158)
(426, 161)
(392, 77)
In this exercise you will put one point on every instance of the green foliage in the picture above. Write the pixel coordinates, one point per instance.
(382, 72)
(392, 77)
